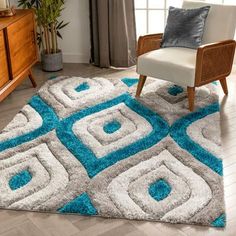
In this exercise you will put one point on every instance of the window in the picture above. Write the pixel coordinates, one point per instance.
(151, 15)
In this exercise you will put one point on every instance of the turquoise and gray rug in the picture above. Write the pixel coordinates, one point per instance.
(86, 146)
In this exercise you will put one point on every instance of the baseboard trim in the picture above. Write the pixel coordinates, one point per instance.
(75, 58)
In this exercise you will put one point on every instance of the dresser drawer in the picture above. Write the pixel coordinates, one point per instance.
(18, 50)
(3, 61)
(22, 44)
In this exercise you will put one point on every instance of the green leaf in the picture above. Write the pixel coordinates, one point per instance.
(59, 35)
(63, 25)
(47, 13)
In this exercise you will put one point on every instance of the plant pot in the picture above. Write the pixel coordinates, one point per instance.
(52, 62)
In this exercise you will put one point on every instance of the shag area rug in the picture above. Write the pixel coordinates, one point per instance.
(86, 146)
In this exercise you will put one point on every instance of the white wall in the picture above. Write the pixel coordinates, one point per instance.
(76, 36)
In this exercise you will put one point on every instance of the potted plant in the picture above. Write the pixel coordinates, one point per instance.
(47, 15)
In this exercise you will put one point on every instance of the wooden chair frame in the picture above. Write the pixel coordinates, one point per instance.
(214, 62)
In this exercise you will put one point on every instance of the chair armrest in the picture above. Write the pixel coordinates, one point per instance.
(149, 43)
(214, 61)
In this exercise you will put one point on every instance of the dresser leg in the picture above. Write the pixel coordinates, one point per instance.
(31, 77)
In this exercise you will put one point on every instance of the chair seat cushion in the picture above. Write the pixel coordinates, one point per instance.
(174, 64)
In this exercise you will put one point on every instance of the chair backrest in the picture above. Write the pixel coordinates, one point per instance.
(221, 21)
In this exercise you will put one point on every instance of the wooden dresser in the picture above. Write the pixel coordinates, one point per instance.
(18, 50)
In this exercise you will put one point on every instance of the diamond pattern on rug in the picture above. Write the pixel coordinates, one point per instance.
(86, 146)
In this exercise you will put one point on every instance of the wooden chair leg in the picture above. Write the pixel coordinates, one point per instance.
(142, 80)
(191, 97)
(31, 77)
(224, 85)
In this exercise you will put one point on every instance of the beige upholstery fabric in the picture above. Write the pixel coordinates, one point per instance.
(220, 23)
(172, 64)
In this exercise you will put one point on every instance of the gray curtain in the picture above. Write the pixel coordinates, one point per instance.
(113, 33)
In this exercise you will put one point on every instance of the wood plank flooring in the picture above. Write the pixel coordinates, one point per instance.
(14, 223)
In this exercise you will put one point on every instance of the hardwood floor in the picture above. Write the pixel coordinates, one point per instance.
(35, 224)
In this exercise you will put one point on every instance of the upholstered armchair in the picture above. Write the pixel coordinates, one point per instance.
(192, 68)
